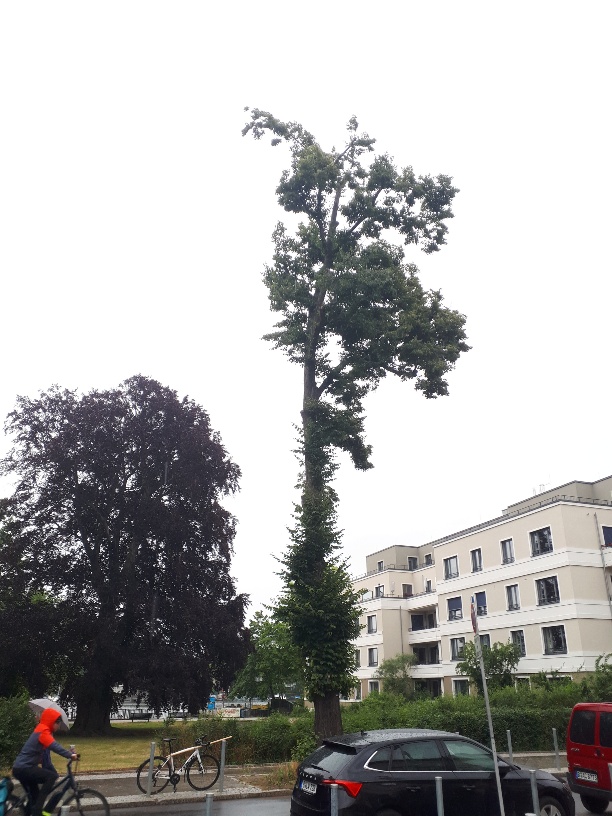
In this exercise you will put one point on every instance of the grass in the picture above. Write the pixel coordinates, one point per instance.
(125, 748)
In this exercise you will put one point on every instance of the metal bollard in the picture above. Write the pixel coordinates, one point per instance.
(534, 792)
(150, 777)
(209, 801)
(222, 765)
(439, 796)
(65, 810)
(510, 746)
(556, 744)
(334, 800)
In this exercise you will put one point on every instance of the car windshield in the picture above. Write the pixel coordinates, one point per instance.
(330, 758)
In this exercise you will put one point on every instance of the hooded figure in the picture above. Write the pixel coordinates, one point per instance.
(26, 767)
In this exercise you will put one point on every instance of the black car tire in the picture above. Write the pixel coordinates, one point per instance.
(594, 804)
(551, 807)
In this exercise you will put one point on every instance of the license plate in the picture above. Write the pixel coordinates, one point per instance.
(586, 776)
(308, 787)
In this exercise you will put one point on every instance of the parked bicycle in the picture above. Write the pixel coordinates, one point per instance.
(201, 770)
(65, 793)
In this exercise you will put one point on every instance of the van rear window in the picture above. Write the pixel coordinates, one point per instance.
(605, 729)
(582, 729)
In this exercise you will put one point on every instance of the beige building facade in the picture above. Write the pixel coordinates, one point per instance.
(540, 575)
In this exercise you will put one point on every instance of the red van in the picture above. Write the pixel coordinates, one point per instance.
(589, 750)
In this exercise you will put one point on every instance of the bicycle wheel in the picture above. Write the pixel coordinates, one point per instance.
(203, 772)
(15, 805)
(86, 800)
(161, 775)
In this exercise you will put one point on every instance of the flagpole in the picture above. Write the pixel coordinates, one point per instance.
(487, 706)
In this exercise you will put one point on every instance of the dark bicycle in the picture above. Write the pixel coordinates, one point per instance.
(65, 793)
(201, 770)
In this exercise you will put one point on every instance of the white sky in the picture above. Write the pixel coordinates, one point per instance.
(135, 222)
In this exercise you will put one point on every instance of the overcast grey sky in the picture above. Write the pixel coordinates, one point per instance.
(135, 222)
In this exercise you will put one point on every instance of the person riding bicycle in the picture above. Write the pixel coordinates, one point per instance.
(36, 751)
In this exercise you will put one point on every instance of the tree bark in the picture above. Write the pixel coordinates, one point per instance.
(328, 720)
(94, 700)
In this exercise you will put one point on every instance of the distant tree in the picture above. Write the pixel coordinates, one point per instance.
(396, 674)
(351, 312)
(600, 682)
(274, 666)
(500, 662)
(117, 516)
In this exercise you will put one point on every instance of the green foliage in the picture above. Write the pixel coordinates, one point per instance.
(395, 672)
(500, 662)
(600, 682)
(273, 666)
(351, 312)
(16, 724)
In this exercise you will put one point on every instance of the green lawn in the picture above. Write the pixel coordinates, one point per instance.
(126, 748)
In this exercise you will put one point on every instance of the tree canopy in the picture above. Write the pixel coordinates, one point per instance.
(396, 674)
(351, 311)
(274, 667)
(500, 662)
(116, 521)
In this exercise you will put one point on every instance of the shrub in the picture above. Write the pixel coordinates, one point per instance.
(16, 724)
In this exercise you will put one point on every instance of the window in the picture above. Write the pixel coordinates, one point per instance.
(373, 656)
(417, 622)
(518, 639)
(455, 611)
(457, 646)
(451, 567)
(429, 557)
(481, 603)
(469, 757)
(461, 687)
(485, 640)
(371, 624)
(523, 681)
(541, 541)
(357, 658)
(417, 756)
(476, 560)
(380, 565)
(413, 562)
(547, 591)
(582, 729)
(607, 536)
(507, 551)
(374, 689)
(379, 591)
(512, 596)
(428, 585)
(554, 640)
(605, 729)
(407, 590)
(380, 760)
(433, 656)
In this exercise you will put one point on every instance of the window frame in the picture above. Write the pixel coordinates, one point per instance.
(412, 563)
(379, 591)
(488, 643)
(531, 543)
(448, 576)
(509, 606)
(380, 565)
(372, 656)
(464, 683)
(404, 593)
(476, 562)
(540, 601)
(373, 687)
(544, 629)
(481, 609)
(507, 559)
(459, 609)
(457, 654)
(522, 644)
(371, 630)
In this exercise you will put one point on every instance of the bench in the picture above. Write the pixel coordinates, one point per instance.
(140, 715)
(177, 715)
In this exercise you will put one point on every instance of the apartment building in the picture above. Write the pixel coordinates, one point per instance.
(540, 575)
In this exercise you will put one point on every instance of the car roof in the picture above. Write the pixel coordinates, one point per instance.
(363, 738)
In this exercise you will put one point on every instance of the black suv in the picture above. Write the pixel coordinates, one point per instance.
(392, 773)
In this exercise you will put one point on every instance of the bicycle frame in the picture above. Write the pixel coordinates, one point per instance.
(195, 751)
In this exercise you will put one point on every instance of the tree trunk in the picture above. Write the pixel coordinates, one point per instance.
(328, 721)
(94, 699)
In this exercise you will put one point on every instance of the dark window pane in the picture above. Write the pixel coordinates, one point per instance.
(469, 757)
(332, 758)
(605, 729)
(423, 756)
(583, 727)
(380, 760)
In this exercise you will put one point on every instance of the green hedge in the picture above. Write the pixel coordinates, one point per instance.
(16, 724)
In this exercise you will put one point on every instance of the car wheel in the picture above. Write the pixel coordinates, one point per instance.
(594, 804)
(551, 807)
(388, 813)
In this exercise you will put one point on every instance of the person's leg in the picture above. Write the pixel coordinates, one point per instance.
(32, 778)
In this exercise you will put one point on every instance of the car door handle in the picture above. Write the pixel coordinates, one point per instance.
(469, 787)
(413, 789)
(575, 750)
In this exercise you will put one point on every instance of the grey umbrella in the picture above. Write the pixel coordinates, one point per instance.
(39, 705)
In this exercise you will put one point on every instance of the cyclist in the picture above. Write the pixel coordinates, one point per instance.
(36, 750)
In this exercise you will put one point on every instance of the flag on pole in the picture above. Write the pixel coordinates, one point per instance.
(474, 616)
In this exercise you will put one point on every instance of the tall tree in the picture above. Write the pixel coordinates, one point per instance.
(500, 662)
(117, 513)
(352, 311)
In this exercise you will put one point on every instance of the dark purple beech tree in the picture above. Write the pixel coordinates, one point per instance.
(352, 311)
(117, 522)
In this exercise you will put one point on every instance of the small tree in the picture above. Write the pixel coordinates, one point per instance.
(273, 666)
(601, 681)
(396, 674)
(500, 662)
